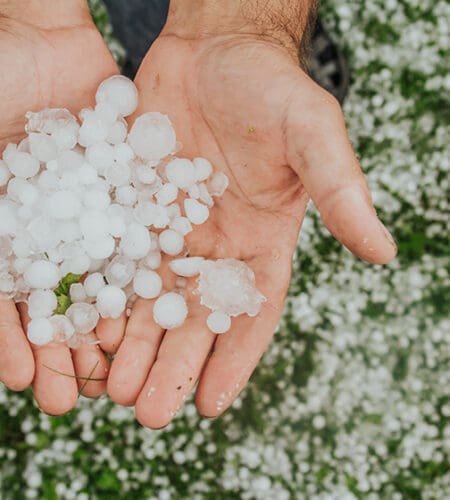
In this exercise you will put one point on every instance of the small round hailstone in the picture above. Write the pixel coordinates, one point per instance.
(65, 139)
(123, 153)
(203, 169)
(146, 174)
(40, 331)
(5, 173)
(196, 212)
(62, 205)
(84, 317)
(152, 136)
(29, 194)
(116, 226)
(63, 328)
(188, 267)
(69, 180)
(42, 147)
(111, 302)
(153, 260)
(170, 310)
(120, 92)
(41, 304)
(48, 180)
(135, 243)
(101, 248)
(77, 292)
(106, 112)
(93, 284)
(167, 194)
(23, 165)
(117, 132)
(87, 174)
(92, 131)
(218, 322)
(171, 242)
(218, 184)
(100, 156)
(118, 174)
(8, 219)
(181, 173)
(79, 264)
(42, 274)
(96, 199)
(126, 195)
(94, 224)
(21, 264)
(70, 160)
(120, 271)
(147, 284)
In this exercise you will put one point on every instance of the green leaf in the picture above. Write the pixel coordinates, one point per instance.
(64, 303)
(65, 284)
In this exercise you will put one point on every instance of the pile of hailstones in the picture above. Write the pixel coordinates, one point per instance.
(97, 202)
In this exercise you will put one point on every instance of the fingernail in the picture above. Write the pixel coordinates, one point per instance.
(388, 236)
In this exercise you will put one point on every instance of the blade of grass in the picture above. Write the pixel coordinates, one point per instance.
(88, 378)
(77, 377)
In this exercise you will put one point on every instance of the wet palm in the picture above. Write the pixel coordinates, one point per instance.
(244, 104)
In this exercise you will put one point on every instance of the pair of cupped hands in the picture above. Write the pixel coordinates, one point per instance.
(243, 102)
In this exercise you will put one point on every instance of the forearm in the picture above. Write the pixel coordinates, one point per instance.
(284, 20)
(46, 13)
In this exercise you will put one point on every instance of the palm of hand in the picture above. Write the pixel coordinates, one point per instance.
(46, 68)
(236, 117)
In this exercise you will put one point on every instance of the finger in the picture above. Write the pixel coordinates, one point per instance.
(136, 354)
(110, 333)
(16, 357)
(181, 357)
(237, 352)
(92, 367)
(54, 385)
(319, 150)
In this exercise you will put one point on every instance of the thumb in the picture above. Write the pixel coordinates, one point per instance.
(319, 150)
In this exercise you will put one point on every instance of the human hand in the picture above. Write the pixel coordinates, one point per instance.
(51, 55)
(240, 99)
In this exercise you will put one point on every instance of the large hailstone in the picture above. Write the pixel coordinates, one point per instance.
(152, 136)
(170, 310)
(119, 92)
(228, 286)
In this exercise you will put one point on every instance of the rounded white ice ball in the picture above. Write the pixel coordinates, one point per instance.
(152, 136)
(84, 317)
(181, 173)
(147, 284)
(42, 274)
(40, 331)
(218, 322)
(41, 304)
(120, 92)
(111, 301)
(171, 242)
(170, 310)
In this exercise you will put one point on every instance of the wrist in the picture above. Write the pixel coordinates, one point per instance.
(46, 14)
(281, 21)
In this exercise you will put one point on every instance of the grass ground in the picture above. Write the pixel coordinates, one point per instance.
(352, 399)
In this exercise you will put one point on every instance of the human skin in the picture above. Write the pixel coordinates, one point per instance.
(51, 55)
(233, 88)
